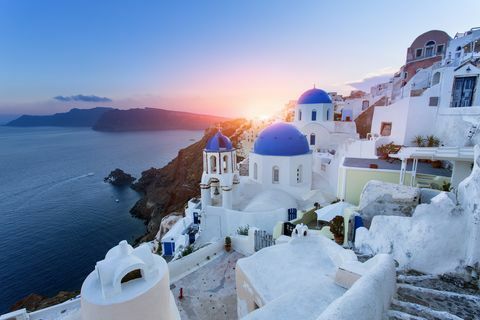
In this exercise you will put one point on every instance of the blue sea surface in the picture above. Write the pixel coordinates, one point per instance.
(57, 216)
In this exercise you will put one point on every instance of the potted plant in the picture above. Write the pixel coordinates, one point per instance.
(337, 228)
(419, 141)
(384, 150)
(228, 244)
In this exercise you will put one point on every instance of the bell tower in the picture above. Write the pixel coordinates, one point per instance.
(220, 172)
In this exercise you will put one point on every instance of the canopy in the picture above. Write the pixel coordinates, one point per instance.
(331, 211)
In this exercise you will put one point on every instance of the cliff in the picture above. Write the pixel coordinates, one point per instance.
(73, 118)
(153, 119)
(168, 189)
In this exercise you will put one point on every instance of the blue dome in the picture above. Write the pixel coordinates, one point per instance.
(314, 96)
(281, 139)
(219, 142)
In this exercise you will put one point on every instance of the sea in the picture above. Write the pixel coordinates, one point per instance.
(57, 215)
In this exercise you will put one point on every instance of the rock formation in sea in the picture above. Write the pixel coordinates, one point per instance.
(119, 178)
(167, 190)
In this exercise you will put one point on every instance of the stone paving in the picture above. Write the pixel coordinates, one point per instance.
(422, 296)
(209, 292)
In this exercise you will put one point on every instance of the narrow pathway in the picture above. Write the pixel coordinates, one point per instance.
(209, 293)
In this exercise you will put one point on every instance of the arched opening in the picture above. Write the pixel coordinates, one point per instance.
(328, 114)
(436, 78)
(299, 115)
(275, 174)
(225, 163)
(314, 115)
(312, 139)
(430, 48)
(255, 171)
(299, 173)
(132, 275)
(213, 164)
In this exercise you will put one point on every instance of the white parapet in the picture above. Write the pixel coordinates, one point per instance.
(128, 284)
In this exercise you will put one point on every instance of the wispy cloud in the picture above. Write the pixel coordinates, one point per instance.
(373, 78)
(83, 98)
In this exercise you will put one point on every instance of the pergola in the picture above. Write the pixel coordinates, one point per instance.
(461, 158)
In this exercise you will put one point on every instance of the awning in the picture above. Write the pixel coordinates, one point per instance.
(331, 211)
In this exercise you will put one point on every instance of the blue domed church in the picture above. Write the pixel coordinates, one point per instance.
(281, 158)
(314, 117)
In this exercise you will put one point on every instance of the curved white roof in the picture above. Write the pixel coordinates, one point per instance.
(270, 200)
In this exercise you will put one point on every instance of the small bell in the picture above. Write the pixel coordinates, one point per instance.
(216, 191)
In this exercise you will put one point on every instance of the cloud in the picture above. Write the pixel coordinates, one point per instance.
(83, 98)
(373, 78)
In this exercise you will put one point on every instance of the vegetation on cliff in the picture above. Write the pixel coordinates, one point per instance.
(167, 190)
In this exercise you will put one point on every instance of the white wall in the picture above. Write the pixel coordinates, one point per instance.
(323, 109)
(219, 222)
(287, 174)
(369, 298)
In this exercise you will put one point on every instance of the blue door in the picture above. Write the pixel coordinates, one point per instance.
(196, 219)
(292, 214)
(312, 139)
(191, 237)
(168, 248)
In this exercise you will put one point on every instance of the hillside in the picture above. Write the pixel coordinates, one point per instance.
(153, 119)
(168, 189)
(73, 118)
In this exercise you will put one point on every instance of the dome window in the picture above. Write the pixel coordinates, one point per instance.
(314, 115)
(275, 175)
(312, 139)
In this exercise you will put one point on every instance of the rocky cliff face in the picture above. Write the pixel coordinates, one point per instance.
(167, 190)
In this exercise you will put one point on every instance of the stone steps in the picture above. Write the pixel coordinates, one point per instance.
(422, 296)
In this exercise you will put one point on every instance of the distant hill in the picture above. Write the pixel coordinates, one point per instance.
(72, 118)
(153, 119)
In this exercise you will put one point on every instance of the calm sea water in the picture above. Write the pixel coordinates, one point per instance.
(57, 216)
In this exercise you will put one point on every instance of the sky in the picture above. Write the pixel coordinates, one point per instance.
(230, 58)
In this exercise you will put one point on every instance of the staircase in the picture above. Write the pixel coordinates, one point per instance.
(428, 297)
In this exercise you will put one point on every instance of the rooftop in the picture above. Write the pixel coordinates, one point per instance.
(423, 168)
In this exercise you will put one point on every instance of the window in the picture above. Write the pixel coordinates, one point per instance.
(436, 78)
(225, 163)
(314, 115)
(312, 139)
(463, 89)
(386, 129)
(440, 48)
(299, 115)
(275, 175)
(429, 46)
(418, 53)
(328, 114)
(213, 164)
(365, 104)
(433, 102)
(132, 275)
(255, 171)
(299, 174)
(476, 46)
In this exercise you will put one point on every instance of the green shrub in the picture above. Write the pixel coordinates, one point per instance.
(188, 249)
(243, 231)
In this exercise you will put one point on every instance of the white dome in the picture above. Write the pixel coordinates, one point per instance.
(271, 200)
